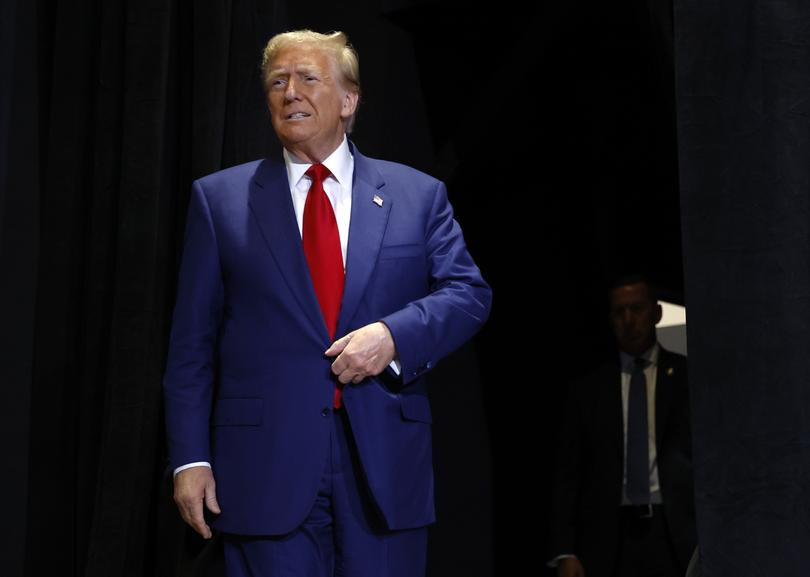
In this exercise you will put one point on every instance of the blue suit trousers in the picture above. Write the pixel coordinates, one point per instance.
(343, 535)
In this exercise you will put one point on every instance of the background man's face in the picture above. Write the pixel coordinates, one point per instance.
(633, 315)
(307, 102)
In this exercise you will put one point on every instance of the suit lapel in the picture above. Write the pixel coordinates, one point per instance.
(272, 208)
(618, 412)
(366, 229)
(663, 391)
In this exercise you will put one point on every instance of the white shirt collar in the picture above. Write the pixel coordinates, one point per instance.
(650, 354)
(340, 164)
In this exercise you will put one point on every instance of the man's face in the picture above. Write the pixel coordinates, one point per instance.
(634, 315)
(308, 102)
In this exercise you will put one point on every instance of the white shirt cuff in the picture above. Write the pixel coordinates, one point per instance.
(394, 366)
(190, 465)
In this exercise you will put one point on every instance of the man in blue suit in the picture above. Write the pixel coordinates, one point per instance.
(302, 333)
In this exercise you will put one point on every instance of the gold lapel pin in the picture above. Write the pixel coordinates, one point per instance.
(377, 200)
(670, 371)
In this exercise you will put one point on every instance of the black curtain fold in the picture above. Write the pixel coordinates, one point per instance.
(19, 259)
(147, 191)
(743, 95)
(58, 486)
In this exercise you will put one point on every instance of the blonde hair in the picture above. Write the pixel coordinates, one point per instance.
(335, 43)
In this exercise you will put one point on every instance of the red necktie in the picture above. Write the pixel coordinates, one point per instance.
(322, 249)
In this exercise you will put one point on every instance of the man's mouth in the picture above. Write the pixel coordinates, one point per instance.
(297, 115)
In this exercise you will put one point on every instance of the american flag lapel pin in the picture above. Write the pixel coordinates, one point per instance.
(377, 200)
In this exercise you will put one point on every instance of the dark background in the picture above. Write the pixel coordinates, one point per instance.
(554, 128)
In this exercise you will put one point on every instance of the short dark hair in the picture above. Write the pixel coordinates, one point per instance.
(633, 278)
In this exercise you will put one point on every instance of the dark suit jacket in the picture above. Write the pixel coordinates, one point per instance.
(247, 386)
(589, 471)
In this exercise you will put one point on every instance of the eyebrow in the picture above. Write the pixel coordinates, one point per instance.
(303, 69)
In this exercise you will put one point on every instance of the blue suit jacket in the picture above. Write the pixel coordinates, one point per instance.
(247, 386)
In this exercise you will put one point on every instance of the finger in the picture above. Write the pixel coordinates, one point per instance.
(204, 530)
(339, 368)
(193, 515)
(343, 366)
(337, 347)
(351, 376)
(346, 377)
(211, 499)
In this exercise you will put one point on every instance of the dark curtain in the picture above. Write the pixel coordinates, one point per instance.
(578, 155)
(19, 232)
(553, 127)
(743, 78)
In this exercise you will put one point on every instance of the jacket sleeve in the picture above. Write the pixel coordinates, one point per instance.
(458, 304)
(188, 382)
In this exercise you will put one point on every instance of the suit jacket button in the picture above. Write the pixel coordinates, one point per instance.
(325, 412)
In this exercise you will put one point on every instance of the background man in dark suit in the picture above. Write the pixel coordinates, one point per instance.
(623, 502)
(300, 277)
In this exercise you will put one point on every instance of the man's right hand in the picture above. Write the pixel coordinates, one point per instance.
(192, 488)
(570, 567)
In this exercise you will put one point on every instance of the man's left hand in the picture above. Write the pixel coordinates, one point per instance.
(363, 353)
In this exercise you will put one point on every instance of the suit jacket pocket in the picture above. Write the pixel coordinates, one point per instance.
(415, 408)
(402, 251)
(238, 412)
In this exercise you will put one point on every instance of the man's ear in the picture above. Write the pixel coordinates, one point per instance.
(349, 103)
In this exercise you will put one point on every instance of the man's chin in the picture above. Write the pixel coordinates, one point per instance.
(634, 347)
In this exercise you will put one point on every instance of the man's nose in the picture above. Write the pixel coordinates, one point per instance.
(290, 91)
